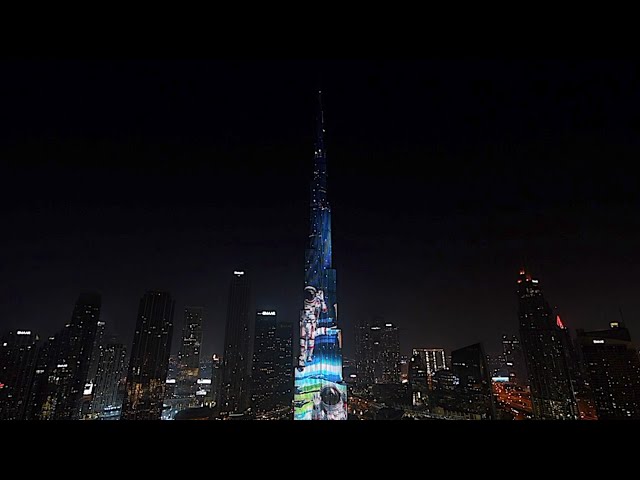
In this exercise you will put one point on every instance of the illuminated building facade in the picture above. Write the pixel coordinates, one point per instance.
(216, 376)
(111, 377)
(319, 393)
(189, 355)
(149, 359)
(433, 359)
(63, 364)
(469, 365)
(378, 352)
(514, 360)
(263, 369)
(18, 353)
(544, 346)
(235, 381)
(612, 367)
(283, 371)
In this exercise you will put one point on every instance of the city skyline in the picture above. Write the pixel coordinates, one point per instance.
(406, 242)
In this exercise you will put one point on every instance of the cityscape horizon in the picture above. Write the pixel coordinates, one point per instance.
(432, 325)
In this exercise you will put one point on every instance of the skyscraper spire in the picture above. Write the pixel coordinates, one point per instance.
(319, 182)
(320, 393)
(320, 127)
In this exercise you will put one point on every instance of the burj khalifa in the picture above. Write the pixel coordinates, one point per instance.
(320, 392)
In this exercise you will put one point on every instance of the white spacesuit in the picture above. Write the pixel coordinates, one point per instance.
(314, 305)
(329, 404)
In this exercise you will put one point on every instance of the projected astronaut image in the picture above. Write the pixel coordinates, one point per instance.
(320, 393)
(313, 305)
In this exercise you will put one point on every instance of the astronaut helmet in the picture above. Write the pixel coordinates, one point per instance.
(309, 293)
(330, 396)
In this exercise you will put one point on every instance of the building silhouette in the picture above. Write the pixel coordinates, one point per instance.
(149, 360)
(235, 379)
(544, 345)
(513, 357)
(469, 365)
(18, 353)
(612, 366)
(63, 364)
(263, 368)
(378, 352)
(189, 354)
(111, 376)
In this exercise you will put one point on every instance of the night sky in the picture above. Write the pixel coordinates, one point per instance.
(444, 177)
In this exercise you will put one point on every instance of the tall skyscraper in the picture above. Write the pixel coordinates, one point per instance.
(18, 351)
(189, 355)
(63, 364)
(95, 353)
(234, 385)
(514, 360)
(216, 377)
(469, 365)
(378, 352)
(149, 359)
(320, 393)
(110, 380)
(263, 368)
(283, 370)
(42, 394)
(613, 369)
(544, 346)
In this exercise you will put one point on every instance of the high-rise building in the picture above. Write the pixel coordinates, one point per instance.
(95, 353)
(111, 377)
(514, 360)
(263, 368)
(234, 385)
(216, 376)
(320, 392)
(18, 351)
(433, 359)
(283, 367)
(469, 365)
(63, 364)
(544, 346)
(149, 361)
(189, 355)
(612, 366)
(42, 394)
(378, 352)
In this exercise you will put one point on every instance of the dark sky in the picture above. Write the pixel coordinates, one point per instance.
(445, 175)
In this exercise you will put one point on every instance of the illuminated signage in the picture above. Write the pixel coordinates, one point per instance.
(238, 273)
(614, 324)
(353, 375)
(201, 392)
(267, 313)
(88, 388)
(534, 281)
(23, 332)
(389, 325)
(205, 381)
(171, 380)
(375, 328)
(62, 365)
(598, 341)
(39, 371)
(500, 379)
